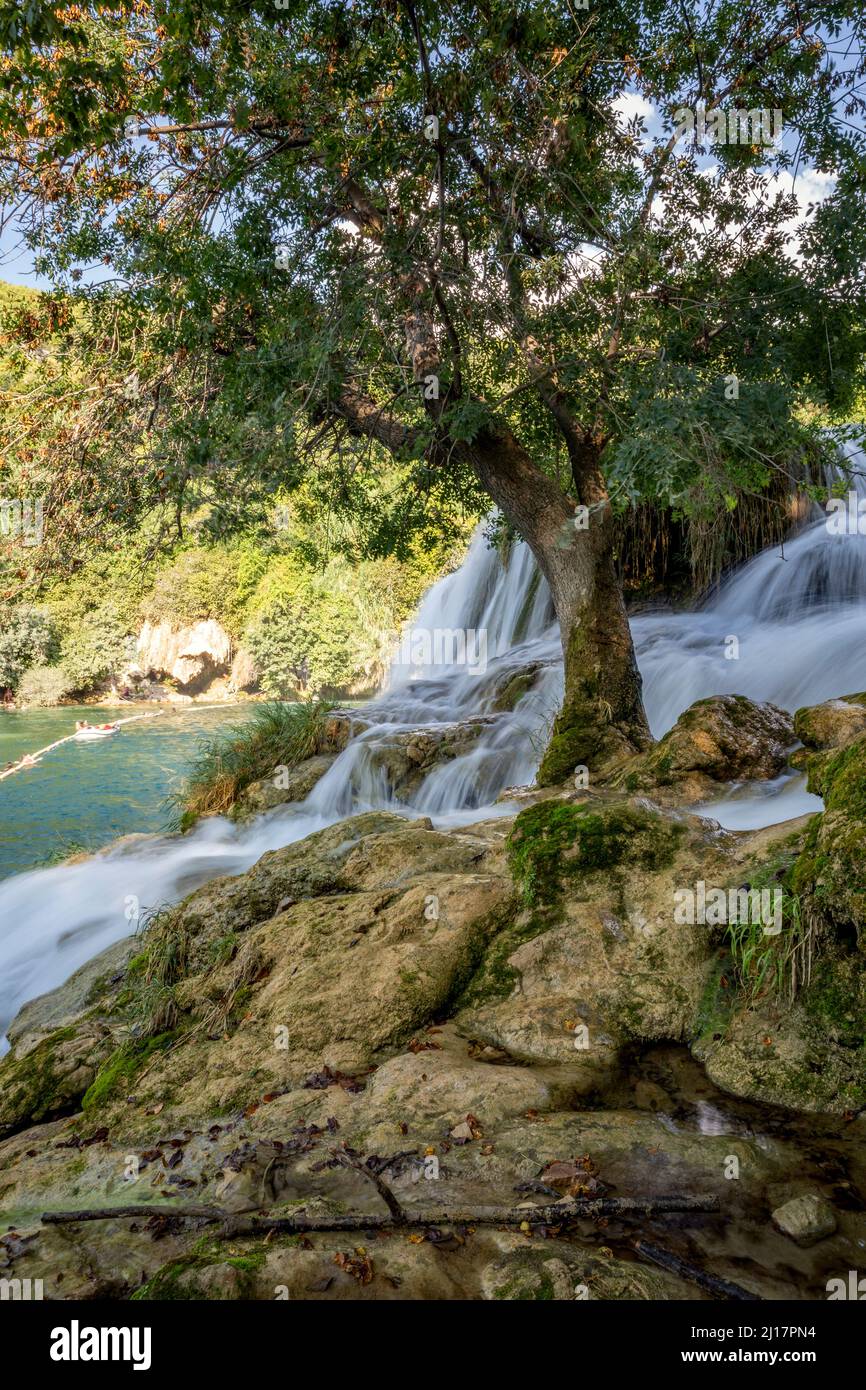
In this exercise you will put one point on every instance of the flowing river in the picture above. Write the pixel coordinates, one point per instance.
(798, 616)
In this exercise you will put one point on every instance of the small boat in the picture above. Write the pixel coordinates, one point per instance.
(99, 731)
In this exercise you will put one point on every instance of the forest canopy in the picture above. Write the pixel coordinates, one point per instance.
(416, 259)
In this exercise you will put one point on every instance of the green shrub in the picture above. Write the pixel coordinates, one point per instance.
(43, 686)
(275, 736)
(27, 638)
(327, 630)
(202, 583)
(96, 647)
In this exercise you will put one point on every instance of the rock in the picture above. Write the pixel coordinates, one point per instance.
(831, 724)
(52, 1077)
(558, 984)
(526, 1274)
(405, 757)
(383, 921)
(510, 687)
(806, 1219)
(191, 656)
(830, 874)
(243, 674)
(791, 1058)
(293, 784)
(723, 739)
(400, 989)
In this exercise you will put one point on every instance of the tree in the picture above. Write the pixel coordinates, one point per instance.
(27, 638)
(429, 232)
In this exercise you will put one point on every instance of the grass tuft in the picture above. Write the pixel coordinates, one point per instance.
(276, 735)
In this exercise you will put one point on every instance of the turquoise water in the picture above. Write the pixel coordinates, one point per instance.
(84, 795)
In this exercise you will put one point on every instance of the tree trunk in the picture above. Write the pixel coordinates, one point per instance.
(602, 717)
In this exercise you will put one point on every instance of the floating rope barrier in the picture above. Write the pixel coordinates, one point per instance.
(32, 759)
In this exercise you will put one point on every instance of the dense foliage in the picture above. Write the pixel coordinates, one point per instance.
(397, 259)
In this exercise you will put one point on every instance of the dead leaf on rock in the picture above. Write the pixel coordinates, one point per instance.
(466, 1130)
(359, 1265)
(573, 1177)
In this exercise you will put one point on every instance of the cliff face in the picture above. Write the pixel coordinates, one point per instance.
(192, 656)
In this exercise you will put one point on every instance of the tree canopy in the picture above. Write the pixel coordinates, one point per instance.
(417, 257)
(289, 242)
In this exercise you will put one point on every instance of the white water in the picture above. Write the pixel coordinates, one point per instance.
(798, 616)
(53, 920)
(800, 619)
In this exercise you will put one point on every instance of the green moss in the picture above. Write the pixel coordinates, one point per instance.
(554, 841)
(830, 873)
(567, 748)
(512, 693)
(30, 1086)
(844, 780)
(164, 1286)
(247, 1263)
(582, 730)
(836, 999)
(717, 1001)
(522, 1291)
(177, 1281)
(122, 1065)
(552, 845)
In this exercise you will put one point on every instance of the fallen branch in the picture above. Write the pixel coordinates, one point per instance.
(666, 1259)
(552, 1213)
(345, 1160)
(62, 1218)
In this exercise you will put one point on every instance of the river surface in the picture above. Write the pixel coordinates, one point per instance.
(84, 795)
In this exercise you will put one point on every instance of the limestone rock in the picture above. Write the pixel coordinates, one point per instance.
(52, 1077)
(830, 873)
(806, 1219)
(294, 784)
(192, 656)
(831, 724)
(723, 739)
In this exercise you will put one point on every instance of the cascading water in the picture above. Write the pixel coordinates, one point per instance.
(789, 627)
(798, 615)
(53, 920)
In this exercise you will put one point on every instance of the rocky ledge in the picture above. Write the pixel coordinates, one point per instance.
(473, 1018)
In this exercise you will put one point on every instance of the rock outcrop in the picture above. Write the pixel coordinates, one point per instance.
(461, 1009)
(727, 738)
(193, 657)
(831, 724)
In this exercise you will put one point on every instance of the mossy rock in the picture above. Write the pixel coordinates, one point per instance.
(724, 738)
(554, 841)
(513, 690)
(51, 1078)
(830, 873)
(832, 724)
(120, 1069)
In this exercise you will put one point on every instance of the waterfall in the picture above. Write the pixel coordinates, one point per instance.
(797, 613)
(53, 920)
